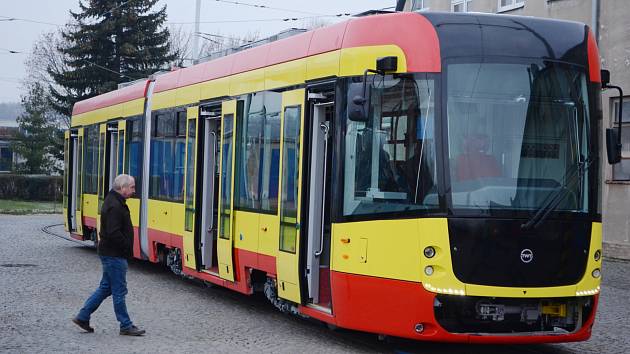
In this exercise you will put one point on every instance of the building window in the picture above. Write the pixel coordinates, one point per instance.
(621, 170)
(508, 5)
(417, 5)
(460, 5)
(6, 159)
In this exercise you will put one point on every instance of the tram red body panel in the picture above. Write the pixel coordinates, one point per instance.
(422, 52)
(111, 98)
(594, 69)
(393, 306)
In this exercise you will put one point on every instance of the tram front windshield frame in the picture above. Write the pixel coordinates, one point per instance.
(517, 136)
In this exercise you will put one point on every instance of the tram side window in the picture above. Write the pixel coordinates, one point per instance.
(258, 153)
(133, 150)
(390, 161)
(90, 160)
(190, 177)
(290, 175)
(168, 151)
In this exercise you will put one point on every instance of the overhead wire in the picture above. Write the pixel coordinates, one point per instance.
(267, 7)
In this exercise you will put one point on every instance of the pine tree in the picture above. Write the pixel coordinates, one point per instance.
(110, 41)
(38, 142)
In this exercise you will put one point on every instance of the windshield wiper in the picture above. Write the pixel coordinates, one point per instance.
(554, 199)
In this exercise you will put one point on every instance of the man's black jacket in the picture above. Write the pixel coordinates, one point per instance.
(116, 238)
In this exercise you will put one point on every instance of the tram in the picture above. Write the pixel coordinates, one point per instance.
(432, 176)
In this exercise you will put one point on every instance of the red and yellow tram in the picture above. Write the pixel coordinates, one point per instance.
(432, 176)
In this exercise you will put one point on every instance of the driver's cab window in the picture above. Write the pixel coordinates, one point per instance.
(390, 155)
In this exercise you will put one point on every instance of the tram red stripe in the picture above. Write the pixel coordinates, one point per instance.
(111, 98)
(594, 70)
(393, 307)
(89, 222)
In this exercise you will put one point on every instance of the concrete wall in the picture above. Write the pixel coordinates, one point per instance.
(611, 19)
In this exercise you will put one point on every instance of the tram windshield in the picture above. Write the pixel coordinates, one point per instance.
(389, 159)
(517, 136)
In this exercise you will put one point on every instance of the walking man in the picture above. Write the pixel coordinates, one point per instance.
(114, 247)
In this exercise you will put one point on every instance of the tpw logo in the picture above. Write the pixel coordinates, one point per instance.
(527, 255)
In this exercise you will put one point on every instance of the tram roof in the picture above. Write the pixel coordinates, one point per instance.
(363, 31)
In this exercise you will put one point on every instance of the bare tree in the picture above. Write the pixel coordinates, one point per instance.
(180, 44)
(314, 23)
(43, 59)
(216, 42)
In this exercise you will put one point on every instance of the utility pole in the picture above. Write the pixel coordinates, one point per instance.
(195, 53)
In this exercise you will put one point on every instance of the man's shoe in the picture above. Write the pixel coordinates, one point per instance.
(132, 331)
(85, 325)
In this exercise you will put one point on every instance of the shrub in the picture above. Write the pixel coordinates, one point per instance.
(31, 187)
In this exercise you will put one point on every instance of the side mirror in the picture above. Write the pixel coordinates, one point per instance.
(605, 75)
(358, 105)
(386, 64)
(613, 147)
(613, 135)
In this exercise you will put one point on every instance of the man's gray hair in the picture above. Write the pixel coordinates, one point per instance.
(122, 181)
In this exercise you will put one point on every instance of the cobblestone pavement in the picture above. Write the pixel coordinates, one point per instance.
(44, 281)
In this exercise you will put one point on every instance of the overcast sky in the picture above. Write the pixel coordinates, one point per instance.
(19, 35)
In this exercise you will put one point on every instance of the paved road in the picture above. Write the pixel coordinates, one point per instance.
(45, 279)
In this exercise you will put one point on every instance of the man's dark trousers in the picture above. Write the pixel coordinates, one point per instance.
(114, 283)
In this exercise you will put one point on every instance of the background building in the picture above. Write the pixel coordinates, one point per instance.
(7, 156)
(610, 22)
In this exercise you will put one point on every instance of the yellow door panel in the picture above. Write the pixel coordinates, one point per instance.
(286, 236)
(90, 205)
(80, 201)
(268, 232)
(189, 195)
(134, 209)
(102, 155)
(160, 215)
(246, 230)
(122, 125)
(225, 241)
(67, 180)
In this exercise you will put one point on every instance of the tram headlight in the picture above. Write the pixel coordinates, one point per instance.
(429, 252)
(597, 255)
(428, 270)
(596, 273)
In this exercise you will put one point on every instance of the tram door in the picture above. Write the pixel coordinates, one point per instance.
(225, 241)
(71, 188)
(107, 163)
(287, 262)
(78, 184)
(209, 165)
(321, 105)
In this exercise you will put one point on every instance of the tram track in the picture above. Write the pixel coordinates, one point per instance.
(47, 230)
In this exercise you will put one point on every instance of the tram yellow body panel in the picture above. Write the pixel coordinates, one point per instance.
(166, 216)
(121, 110)
(215, 88)
(380, 248)
(354, 61)
(367, 248)
(134, 209)
(90, 205)
(246, 227)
